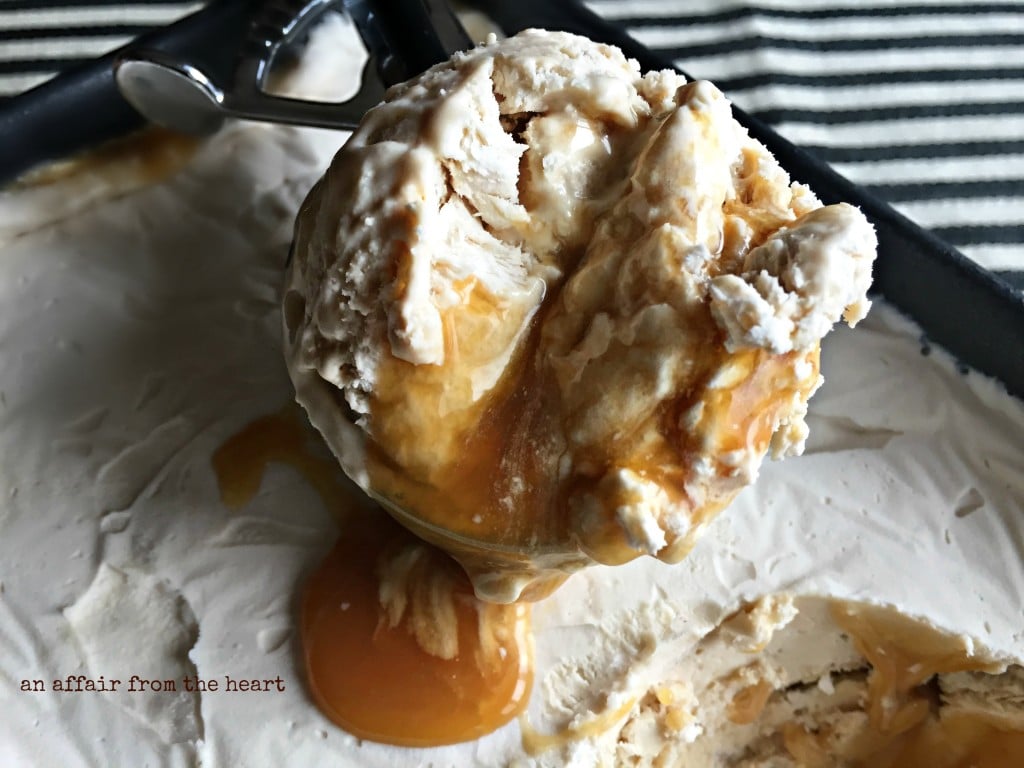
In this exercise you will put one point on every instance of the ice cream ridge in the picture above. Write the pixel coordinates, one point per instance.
(553, 311)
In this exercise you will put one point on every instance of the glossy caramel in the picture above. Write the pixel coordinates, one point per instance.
(374, 680)
(505, 486)
(906, 728)
(281, 438)
(513, 433)
(377, 682)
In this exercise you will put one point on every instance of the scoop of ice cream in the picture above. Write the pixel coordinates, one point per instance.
(545, 302)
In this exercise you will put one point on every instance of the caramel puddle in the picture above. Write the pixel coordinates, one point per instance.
(396, 646)
(377, 681)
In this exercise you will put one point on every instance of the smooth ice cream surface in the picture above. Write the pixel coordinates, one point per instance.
(551, 305)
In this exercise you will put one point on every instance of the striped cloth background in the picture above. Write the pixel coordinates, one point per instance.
(920, 100)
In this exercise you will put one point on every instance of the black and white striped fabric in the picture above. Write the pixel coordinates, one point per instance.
(920, 100)
(39, 38)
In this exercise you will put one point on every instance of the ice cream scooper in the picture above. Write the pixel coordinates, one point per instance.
(412, 36)
(402, 37)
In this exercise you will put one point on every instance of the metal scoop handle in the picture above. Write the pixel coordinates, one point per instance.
(412, 35)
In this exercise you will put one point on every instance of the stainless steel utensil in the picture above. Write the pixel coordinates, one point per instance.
(402, 39)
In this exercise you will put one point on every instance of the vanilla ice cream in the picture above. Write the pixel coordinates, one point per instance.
(140, 333)
(546, 303)
(809, 681)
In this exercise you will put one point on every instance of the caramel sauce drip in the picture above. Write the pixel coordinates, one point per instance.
(905, 728)
(504, 485)
(959, 740)
(740, 415)
(527, 466)
(440, 668)
(377, 682)
(535, 742)
(903, 654)
(280, 438)
(954, 740)
(498, 482)
(146, 156)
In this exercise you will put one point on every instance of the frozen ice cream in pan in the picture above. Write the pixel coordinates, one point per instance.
(502, 268)
(504, 302)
